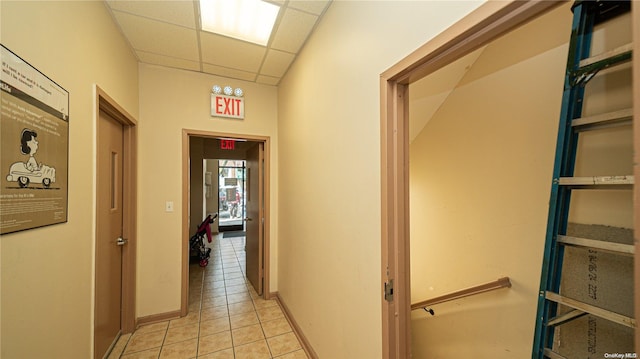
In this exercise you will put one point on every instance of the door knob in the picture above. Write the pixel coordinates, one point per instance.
(121, 242)
(247, 219)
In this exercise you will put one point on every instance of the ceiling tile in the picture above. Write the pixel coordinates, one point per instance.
(151, 58)
(267, 80)
(174, 12)
(293, 30)
(227, 72)
(227, 52)
(165, 33)
(276, 63)
(158, 37)
(314, 7)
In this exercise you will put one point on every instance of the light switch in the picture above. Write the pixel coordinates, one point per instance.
(169, 206)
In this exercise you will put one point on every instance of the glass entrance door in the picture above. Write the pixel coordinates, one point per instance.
(231, 204)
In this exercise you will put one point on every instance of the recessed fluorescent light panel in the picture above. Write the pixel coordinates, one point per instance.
(248, 20)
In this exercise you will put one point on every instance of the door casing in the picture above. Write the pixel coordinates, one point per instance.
(103, 102)
(186, 134)
(254, 246)
(488, 22)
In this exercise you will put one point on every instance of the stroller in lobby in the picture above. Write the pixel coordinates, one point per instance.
(196, 242)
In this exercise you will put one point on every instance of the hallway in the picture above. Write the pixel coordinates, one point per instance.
(226, 317)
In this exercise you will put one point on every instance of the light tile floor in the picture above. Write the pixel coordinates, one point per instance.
(226, 317)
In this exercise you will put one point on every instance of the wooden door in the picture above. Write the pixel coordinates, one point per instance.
(255, 217)
(109, 234)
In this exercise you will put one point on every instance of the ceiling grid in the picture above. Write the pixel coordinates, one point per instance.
(167, 33)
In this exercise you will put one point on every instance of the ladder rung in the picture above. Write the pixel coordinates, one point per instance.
(592, 243)
(584, 63)
(552, 355)
(591, 309)
(567, 317)
(621, 117)
(622, 50)
(596, 181)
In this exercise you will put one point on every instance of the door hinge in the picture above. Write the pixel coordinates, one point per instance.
(388, 291)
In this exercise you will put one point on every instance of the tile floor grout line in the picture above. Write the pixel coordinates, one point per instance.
(206, 280)
(226, 296)
(200, 309)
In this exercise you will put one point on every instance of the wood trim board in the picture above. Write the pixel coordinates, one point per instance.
(306, 345)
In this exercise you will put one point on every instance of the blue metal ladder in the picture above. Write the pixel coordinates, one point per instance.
(581, 68)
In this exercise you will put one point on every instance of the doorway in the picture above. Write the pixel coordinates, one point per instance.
(480, 27)
(490, 21)
(114, 311)
(212, 145)
(231, 195)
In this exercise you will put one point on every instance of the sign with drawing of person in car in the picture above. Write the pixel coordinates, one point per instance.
(34, 134)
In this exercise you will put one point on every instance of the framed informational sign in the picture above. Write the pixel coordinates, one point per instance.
(34, 147)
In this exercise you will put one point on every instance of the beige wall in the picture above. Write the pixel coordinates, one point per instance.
(172, 100)
(323, 122)
(47, 273)
(328, 107)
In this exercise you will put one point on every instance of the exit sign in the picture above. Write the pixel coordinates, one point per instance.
(227, 106)
(227, 144)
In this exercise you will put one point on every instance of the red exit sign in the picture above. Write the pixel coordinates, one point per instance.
(227, 144)
(227, 106)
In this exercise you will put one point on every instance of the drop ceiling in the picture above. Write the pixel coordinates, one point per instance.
(167, 33)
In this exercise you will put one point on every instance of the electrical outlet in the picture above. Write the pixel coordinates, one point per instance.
(169, 206)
